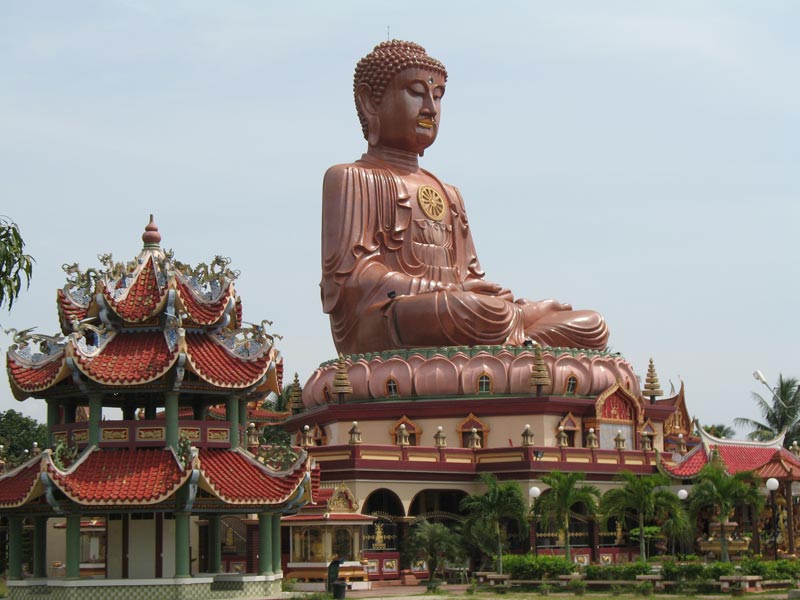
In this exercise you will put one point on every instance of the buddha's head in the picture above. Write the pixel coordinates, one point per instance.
(398, 89)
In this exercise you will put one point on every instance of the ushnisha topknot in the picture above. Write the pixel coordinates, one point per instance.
(385, 61)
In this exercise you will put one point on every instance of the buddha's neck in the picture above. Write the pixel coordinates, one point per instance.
(402, 159)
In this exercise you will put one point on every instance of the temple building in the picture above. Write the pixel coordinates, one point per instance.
(408, 432)
(148, 387)
(768, 460)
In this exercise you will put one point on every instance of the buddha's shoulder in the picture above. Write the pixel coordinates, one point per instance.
(358, 169)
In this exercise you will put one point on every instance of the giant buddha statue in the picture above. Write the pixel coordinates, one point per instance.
(399, 268)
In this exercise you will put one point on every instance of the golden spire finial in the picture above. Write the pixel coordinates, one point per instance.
(540, 376)
(341, 382)
(296, 396)
(651, 386)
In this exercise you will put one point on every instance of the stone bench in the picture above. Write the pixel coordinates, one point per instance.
(749, 583)
(498, 579)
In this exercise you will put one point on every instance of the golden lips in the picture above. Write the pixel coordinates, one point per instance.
(426, 123)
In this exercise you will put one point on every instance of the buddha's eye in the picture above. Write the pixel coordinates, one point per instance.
(417, 89)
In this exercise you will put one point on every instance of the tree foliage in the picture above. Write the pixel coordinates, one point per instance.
(500, 503)
(435, 543)
(557, 505)
(18, 432)
(780, 413)
(721, 493)
(643, 500)
(719, 430)
(14, 263)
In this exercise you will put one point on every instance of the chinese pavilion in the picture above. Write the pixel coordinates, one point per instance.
(768, 459)
(148, 337)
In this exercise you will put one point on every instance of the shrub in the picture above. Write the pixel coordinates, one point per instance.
(631, 570)
(643, 588)
(617, 589)
(577, 586)
(527, 566)
(719, 569)
(544, 589)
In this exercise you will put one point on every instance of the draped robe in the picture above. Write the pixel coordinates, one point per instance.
(391, 280)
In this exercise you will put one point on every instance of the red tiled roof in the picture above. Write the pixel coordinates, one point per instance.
(253, 414)
(743, 458)
(121, 476)
(35, 377)
(217, 365)
(690, 466)
(143, 299)
(353, 517)
(19, 485)
(767, 461)
(238, 478)
(199, 310)
(128, 358)
(69, 310)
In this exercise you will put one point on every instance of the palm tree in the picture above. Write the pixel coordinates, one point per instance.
(719, 430)
(435, 543)
(558, 504)
(781, 413)
(721, 492)
(641, 499)
(500, 502)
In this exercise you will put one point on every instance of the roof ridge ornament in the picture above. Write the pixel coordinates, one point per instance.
(151, 236)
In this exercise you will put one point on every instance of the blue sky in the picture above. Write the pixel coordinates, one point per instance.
(635, 158)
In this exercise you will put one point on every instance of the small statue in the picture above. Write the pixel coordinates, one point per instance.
(399, 268)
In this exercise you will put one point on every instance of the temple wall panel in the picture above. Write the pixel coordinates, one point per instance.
(115, 549)
(141, 551)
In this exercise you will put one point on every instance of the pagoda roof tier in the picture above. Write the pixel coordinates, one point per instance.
(22, 484)
(117, 477)
(767, 458)
(134, 357)
(236, 477)
(107, 478)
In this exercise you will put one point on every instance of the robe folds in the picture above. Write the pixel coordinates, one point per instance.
(391, 280)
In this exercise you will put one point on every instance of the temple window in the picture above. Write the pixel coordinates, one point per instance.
(308, 545)
(572, 384)
(391, 388)
(326, 393)
(484, 384)
(343, 543)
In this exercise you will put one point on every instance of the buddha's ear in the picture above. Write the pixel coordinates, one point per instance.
(368, 108)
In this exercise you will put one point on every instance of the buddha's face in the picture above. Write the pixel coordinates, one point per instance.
(410, 110)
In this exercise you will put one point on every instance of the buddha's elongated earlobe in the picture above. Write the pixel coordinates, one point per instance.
(364, 94)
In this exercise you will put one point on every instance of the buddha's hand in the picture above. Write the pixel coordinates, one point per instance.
(543, 306)
(487, 288)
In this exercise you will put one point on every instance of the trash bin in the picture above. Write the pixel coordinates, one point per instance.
(339, 589)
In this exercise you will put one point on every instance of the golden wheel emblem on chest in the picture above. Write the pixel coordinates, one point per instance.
(431, 202)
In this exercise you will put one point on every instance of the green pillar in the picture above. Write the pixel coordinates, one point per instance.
(243, 420)
(232, 415)
(52, 420)
(264, 544)
(182, 565)
(73, 547)
(40, 547)
(171, 406)
(214, 544)
(276, 544)
(15, 547)
(95, 414)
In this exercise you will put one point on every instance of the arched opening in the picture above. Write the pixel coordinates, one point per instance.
(485, 384)
(391, 388)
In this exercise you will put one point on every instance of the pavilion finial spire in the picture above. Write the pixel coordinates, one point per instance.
(341, 381)
(151, 236)
(651, 386)
(540, 376)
